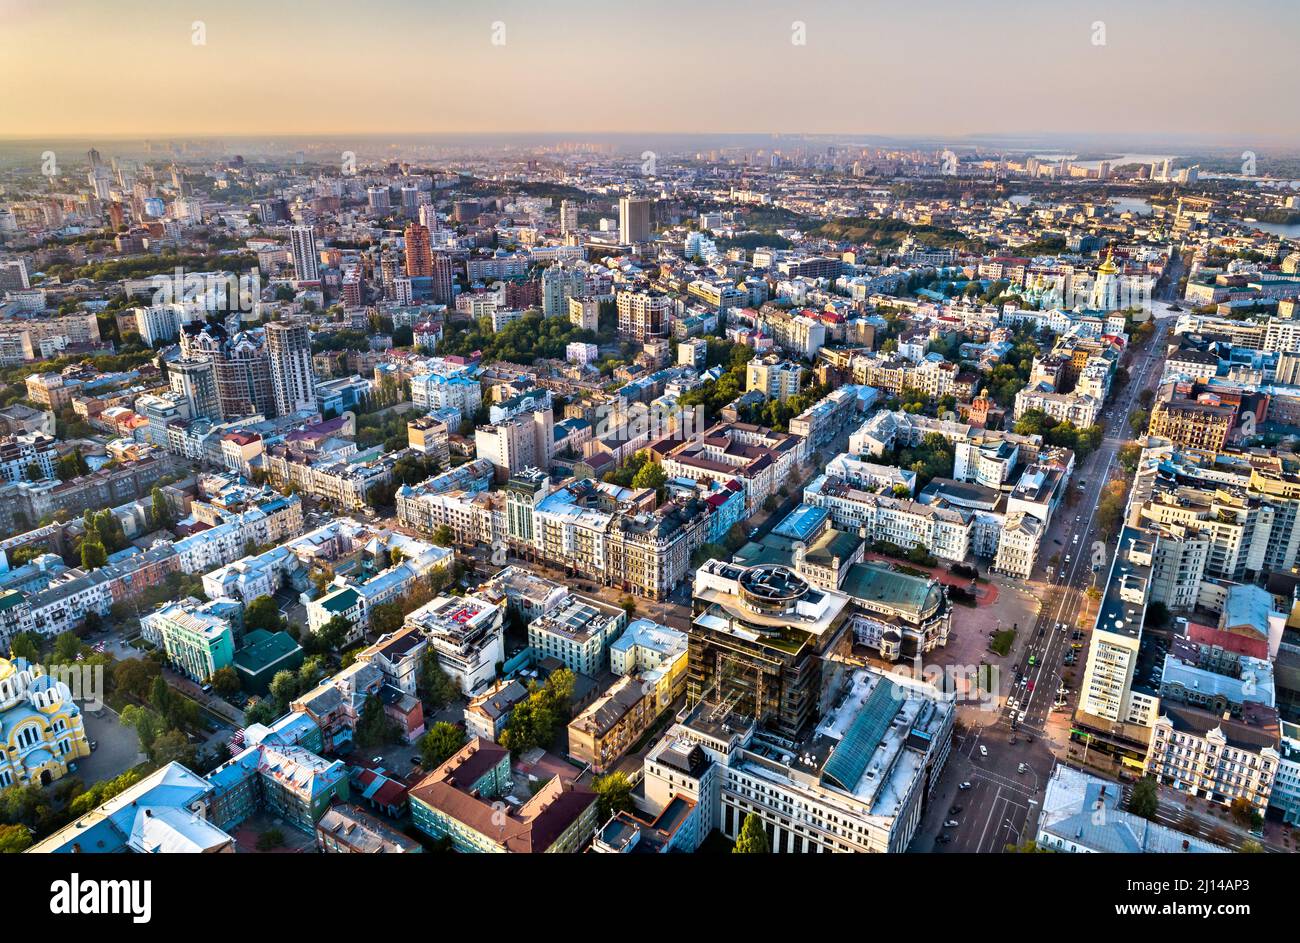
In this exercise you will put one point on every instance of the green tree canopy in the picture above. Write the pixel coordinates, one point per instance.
(752, 840)
(262, 613)
(440, 743)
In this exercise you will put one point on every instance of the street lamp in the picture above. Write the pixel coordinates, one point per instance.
(1011, 828)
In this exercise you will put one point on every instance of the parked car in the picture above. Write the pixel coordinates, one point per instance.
(964, 786)
(984, 751)
(951, 823)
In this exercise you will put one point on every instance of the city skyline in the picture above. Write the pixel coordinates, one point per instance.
(815, 68)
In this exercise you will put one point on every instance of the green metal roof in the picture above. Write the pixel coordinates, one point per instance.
(340, 601)
(848, 761)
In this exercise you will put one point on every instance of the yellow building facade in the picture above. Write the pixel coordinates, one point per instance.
(41, 727)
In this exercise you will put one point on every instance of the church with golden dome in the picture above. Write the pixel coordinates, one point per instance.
(41, 727)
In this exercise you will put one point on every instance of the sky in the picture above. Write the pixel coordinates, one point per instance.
(1213, 72)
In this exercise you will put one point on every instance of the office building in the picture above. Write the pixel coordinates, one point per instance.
(578, 632)
(857, 779)
(634, 219)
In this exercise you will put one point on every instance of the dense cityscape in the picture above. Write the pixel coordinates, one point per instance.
(686, 493)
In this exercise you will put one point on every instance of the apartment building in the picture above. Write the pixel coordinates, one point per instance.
(343, 484)
(1198, 421)
(350, 830)
(943, 531)
(611, 535)
(1227, 515)
(608, 727)
(1215, 757)
(519, 441)
(1107, 691)
(655, 654)
(27, 457)
(196, 638)
(794, 332)
(825, 419)
(471, 800)
(773, 377)
(1080, 409)
(643, 315)
(761, 460)
(437, 391)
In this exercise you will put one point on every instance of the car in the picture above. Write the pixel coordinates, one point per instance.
(951, 823)
(1076, 538)
(1021, 768)
(1067, 558)
(377, 759)
(1062, 574)
(1031, 685)
(964, 786)
(944, 838)
(753, 534)
(953, 810)
(94, 745)
(1040, 632)
(984, 751)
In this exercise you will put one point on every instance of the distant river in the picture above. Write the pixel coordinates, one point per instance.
(1122, 204)
(1286, 230)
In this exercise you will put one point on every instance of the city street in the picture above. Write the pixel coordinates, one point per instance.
(999, 808)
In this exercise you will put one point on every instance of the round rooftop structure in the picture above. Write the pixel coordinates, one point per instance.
(772, 588)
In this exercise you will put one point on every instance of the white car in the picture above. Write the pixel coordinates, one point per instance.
(984, 751)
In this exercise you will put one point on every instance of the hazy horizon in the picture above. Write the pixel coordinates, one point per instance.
(943, 71)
